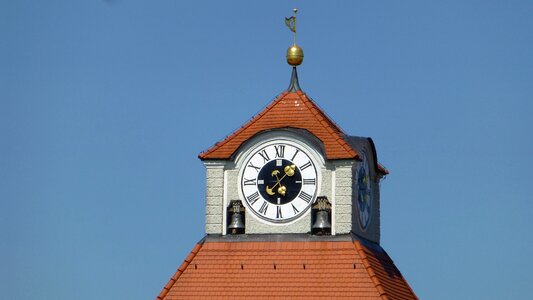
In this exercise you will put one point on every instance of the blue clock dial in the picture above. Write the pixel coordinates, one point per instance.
(364, 194)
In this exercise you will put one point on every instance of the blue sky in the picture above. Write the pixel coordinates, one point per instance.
(105, 106)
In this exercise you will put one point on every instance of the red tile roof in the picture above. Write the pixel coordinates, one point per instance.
(328, 268)
(290, 109)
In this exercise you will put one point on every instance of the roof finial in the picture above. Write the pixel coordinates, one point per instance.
(295, 54)
(295, 85)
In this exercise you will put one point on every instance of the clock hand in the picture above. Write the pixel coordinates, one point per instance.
(289, 171)
(269, 189)
(278, 181)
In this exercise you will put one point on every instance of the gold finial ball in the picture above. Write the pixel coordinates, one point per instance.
(295, 55)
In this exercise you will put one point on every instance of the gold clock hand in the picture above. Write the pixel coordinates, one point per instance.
(269, 190)
(282, 190)
(289, 171)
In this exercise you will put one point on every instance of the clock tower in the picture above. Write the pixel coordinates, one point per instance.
(292, 210)
(282, 161)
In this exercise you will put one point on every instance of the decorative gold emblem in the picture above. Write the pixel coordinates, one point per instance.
(282, 190)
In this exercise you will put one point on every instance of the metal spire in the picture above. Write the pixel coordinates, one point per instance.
(295, 54)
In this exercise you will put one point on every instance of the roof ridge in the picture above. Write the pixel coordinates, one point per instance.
(304, 95)
(369, 270)
(247, 124)
(330, 121)
(376, 252)
(309, 116)
(181, 269)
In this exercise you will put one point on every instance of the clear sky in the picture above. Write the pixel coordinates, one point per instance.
(105, 105)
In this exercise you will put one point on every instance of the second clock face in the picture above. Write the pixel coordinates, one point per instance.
(279, 181)
(364, 193)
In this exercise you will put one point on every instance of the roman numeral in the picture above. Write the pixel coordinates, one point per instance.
(251, 181)
(296, 211)
(264, 208)
(309, 181)
(252, 166)
(280, 151)
(253, 198)
(278, 213)
(294, 156)
(264, 155)
(305, 196)
(307, 165)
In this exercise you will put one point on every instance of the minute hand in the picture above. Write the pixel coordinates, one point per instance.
(289, 171)
(269, 189)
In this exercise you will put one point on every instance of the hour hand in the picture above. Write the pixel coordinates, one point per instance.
(289, 170)
(269, 190)
(282, 190)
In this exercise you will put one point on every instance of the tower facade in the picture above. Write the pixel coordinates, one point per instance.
(292, 210)
(250, 165)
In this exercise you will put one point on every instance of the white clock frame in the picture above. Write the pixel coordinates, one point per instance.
(273, 138)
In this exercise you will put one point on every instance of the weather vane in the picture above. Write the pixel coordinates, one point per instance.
(295, 54)
(291, 23)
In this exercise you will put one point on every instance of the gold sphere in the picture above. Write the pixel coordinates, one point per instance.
(295, 55)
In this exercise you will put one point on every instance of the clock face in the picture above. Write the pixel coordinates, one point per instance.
(364, 193)
(279, 181)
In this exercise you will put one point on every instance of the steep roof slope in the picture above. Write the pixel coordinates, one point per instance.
(290, 109)
(303, 267)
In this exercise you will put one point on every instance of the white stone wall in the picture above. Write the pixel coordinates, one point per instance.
(342, 200)
(214, 209)
(337, 183)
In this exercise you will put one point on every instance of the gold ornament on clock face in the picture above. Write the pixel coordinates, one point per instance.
(279, 181)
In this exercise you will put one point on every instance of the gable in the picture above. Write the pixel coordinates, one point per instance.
(289, 110)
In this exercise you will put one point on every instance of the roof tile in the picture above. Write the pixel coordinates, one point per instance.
(253, 269)
(294, 110)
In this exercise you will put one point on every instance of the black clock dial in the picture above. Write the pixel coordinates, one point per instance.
(279, 181)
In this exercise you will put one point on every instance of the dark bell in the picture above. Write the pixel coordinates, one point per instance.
(321, 225)
(236, 225)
